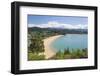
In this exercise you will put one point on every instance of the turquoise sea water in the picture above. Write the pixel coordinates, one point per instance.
(71, 41)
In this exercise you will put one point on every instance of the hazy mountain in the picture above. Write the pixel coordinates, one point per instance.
(59, 30)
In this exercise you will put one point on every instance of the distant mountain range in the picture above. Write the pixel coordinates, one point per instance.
(59, 30)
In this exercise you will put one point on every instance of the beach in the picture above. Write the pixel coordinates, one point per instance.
(49, 51)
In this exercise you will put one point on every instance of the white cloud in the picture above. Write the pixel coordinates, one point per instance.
(54, 24)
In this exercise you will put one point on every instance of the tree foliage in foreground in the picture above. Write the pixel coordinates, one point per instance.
(71, 54)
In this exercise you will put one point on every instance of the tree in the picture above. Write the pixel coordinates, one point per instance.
(36, 44)
(66, 51)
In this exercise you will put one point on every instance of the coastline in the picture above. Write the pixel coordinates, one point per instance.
(49, 52)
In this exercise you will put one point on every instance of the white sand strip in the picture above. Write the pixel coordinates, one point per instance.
(49, 52)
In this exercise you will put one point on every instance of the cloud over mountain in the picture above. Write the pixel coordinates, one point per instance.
(54, 24)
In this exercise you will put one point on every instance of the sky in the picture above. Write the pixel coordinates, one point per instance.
(47, 21)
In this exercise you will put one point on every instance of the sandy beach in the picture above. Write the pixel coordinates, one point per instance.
(49, 52)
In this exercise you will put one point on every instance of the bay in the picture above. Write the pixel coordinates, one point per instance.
(71, 41)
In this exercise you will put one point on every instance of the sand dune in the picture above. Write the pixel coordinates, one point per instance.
(49, 51)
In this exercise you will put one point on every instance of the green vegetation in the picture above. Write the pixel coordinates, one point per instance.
(66, 54)
(71, 54)
(54, 31)
(35, 46)
(32, 56)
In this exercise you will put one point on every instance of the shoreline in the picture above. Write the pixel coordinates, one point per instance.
(49, 51)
